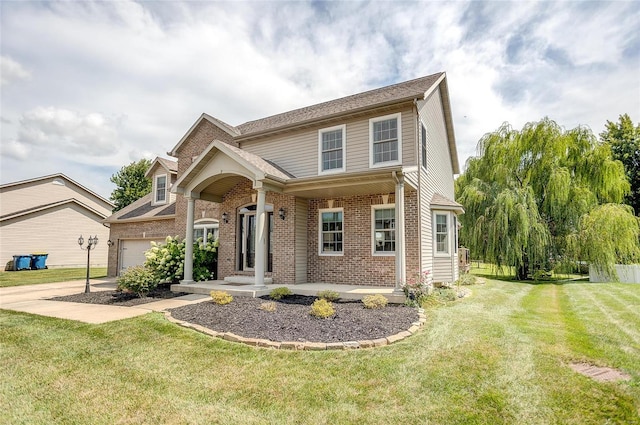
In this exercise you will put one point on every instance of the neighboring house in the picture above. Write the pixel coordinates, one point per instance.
(47, 215)
(357, 190)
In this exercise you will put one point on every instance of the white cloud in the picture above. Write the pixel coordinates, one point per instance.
(11, 71)
(16, 150)
(61, 129)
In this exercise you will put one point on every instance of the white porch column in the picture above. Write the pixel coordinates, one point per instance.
(261, 237)
(400, 245)
(188, 249)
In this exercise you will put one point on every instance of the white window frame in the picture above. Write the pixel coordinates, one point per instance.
(455, 233)
(373, 229)
(207, 225)
(423, 146)
(320, 233)
(155, 189)
(437, 253)
(321, 170)
(372, 121)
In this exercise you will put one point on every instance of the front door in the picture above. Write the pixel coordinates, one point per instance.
(247, 239)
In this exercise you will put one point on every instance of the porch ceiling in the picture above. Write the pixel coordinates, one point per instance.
(364, 184)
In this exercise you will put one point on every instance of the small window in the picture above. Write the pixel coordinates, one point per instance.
(455, 234)
(442, 234)
(207, 230)
(385, 140)
(161, 189)
(331, 143)
(424, 146)
(331, 232)
(384, 229)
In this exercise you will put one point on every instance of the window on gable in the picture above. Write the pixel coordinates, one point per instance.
(331, 232)
(161, 189)
(424, 146)
(385, 137)
(442, 234)
(331, 146)
(384, 229)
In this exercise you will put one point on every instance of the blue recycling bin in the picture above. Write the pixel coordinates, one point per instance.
(39, 261)
(21, 262)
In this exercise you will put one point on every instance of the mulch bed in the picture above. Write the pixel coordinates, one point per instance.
(292, 322)
(123, 299)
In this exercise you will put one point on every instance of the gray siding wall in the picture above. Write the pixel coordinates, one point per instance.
(297, 152)
(302, 211)
(437, 178)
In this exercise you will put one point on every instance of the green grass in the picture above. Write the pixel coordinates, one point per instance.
(32, 277)
(497, 357)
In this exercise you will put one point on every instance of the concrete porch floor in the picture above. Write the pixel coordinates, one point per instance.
(351, 292)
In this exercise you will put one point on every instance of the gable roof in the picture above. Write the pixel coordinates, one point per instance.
(143, 209)
(53, 177)
(49, 206)
(418, 88)
(169, 165)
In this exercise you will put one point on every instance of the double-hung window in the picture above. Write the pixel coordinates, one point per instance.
(331, 231)
(331, 146)
(442, 234)
(385, 137)
(205, 229)
(384, 229)
(160, 189)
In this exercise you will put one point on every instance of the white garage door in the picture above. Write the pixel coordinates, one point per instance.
(132, 251)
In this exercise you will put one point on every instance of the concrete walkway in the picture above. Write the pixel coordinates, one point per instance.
(34, 299)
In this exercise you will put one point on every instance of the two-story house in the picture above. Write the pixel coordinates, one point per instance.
(357, 190)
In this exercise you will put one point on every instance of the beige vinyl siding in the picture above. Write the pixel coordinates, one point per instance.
(437, 179)
(297, 152)
(30, 195)
(302, 211)
(50, 231)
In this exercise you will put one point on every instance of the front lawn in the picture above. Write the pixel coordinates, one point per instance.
(32, 277)
(499, 356)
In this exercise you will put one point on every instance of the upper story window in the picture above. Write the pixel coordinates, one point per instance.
(442, 234)
(385, 138)
(331, 231)
(160, 189)
(384, 229)
(331, 145)
(423, 143)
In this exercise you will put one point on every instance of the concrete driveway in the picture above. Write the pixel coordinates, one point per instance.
(34, 299)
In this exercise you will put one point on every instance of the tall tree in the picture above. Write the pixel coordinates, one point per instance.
(131, 183)
(526, 192)
(624, 140)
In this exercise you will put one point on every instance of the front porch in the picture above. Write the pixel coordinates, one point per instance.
(240, 289)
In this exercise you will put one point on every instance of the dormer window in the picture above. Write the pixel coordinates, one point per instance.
(160, 189)
(385, 140)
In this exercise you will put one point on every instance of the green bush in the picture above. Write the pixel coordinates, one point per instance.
(322, 309)
(417, 287)
(375, 301)
(139, 280)
(279, 293)
(221, 297)
(268, 306)
(329, 295)
(167, 260)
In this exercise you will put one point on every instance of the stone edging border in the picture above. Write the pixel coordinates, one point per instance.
(308, 346)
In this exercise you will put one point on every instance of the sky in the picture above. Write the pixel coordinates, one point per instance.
(88, 87)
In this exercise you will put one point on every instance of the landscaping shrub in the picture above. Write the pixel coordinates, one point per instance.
(279, 293)
(322, 309)
(221, 297)
(268, 306)
(139, 280)
(167, 260)
(416, 288)
(329, 295)
(375, 301)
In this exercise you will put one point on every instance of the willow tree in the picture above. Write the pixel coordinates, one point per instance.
(526, 192)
